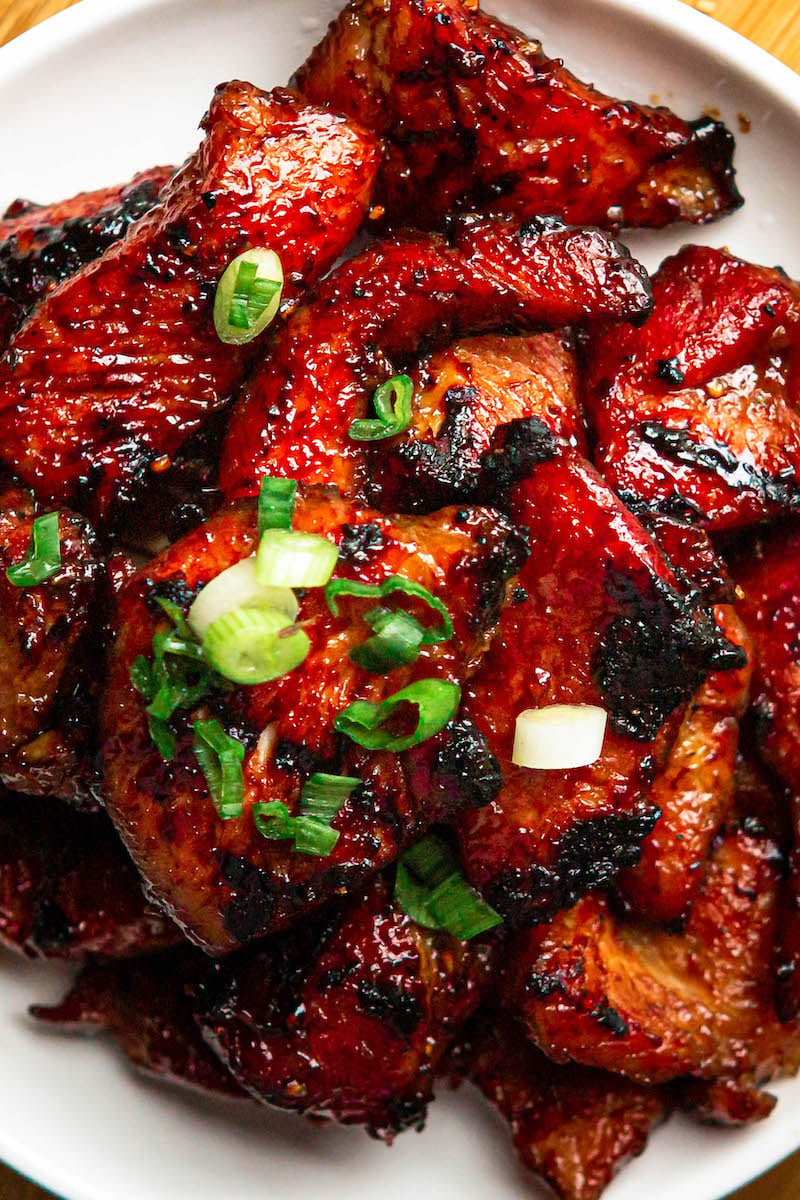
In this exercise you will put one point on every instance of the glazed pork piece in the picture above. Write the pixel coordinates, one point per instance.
(121, 363)
(474, 115)
(767, 570)
(462, 395)
(574, 1126)
(144, 1006)
(628, 996)
(41, 245)
(222, 880)
(697, 413)
(369, 318)
(694, 792)
(598, 619)
(349, 1019)
(48, 646)
(68, 889)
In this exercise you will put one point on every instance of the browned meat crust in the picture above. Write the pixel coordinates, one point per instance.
(476, 116)
(598, 620)
(46, 647)
(630, 997)
(121, 363)
(695, 791)
(350, 1019)
(697, 411)
(767, 570)
(369, 318)
(223, 881)
(42, 245)
(143, 1005)
(574, 1126)
(726, 1102)
(691, 554)
(67, 887)
(462, 395)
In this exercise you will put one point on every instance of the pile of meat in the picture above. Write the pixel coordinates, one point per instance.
(600, 478)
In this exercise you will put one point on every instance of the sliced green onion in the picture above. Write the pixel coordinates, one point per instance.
(436, 700)
(310, 835)
(42, 558)
(177, 678)
(395, 583)
(142, 678)
(397, 641)
(323, 795)
(162, 737)
(248, 296)
(392, 401)
(314, 837)
(320, 800)
(255, 645)
(220, 758)
(234, 588)
(286, 558)
(176, 616)
(276, 503)
(431, 889)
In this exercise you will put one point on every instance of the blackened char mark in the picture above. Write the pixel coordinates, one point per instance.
(517, 449)
(398, 1009)
(589, 856)
(251, 909)
(174, 590)
(58, 251)
(458, 767)
(360, 543)
(11, 317)
(718, 459)
(430, 475)
(406, 1112)
(295, 758)
(426, 475)
(715, 146)
(655, 654)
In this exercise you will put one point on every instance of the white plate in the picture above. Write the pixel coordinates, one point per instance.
(88, 98)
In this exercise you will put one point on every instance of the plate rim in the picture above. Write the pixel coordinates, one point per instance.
(676, 18)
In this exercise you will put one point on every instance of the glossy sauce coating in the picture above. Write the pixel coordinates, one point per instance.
(369, 318)
(695, 791)
(47, 635)
(143, 1005)
(223, 881)
(67, 887)
(697, 412)
(767, 570)
(122, 362)
(351, 1021)
(654, 1005)
(462, 396)
(475, 116)
(41, 245)
(574, 1126)
(598, 620)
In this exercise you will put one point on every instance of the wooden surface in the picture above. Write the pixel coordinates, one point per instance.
(773, 24)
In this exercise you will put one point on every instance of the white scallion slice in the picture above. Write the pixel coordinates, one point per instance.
(238, 588)
(290, 559)
(560, 737)
(248, 296)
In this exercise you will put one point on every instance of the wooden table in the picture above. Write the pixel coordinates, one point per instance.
(773, 24)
